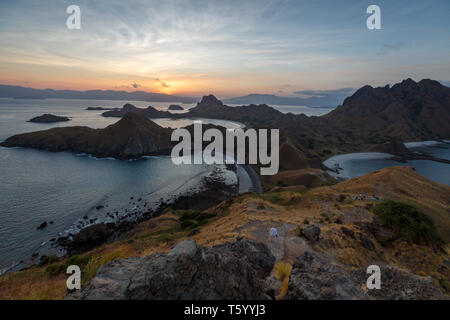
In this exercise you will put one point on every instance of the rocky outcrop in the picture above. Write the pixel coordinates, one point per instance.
(229, 271)
(211, 107)
(49, 118)
(311, 233)
(175, 107)
(410, 111)
(315, 277)
(131, 137)
(149, 112)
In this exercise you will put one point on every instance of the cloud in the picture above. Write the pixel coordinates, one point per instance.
(391, 47)
(394, 46)
(334, 94)
(135, 85)
(163, 84)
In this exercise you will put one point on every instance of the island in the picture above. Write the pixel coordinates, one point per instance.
(49, 118)
(131, 137)
(175, 107)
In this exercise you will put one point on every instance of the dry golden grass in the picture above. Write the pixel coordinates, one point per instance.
(282, 270)
(403, 183)
(32, 284)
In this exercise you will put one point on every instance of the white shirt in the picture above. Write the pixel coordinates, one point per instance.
(273, 232)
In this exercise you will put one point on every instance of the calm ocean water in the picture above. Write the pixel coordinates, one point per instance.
(39, 186)
(359, 164)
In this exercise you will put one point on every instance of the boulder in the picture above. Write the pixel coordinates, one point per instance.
(366, 243)
(229, 271)
(348, 232)
(311, 232)
(316, 277)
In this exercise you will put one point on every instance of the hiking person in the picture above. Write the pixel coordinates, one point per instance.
(273, 233)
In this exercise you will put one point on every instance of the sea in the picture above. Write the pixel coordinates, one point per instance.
(64, 188)
(358, 164)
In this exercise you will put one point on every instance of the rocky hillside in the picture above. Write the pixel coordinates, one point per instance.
(327, 237)
(131, 137)
(408, 110)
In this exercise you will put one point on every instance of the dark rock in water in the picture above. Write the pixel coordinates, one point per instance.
(49, 118)
(99, 207)
(231, 271)
(51, 222)
(131, 137)
(42, 225)
(315, 277)
(193, 233)
(175, 107)
(366, 243)
(311, 232)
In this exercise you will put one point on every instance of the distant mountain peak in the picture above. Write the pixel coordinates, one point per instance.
(210, 101)
(409, 110)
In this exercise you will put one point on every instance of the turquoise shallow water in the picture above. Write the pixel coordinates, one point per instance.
(39, 186)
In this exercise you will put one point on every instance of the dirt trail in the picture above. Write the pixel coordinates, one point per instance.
(287, 246)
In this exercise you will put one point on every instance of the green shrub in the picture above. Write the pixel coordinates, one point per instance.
(408, 221)
(165, 237)
(188, 224)
(57, 268)
(45, 260)
(191, 219)
(273, 198)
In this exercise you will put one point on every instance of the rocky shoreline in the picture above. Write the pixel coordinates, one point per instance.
(88, 232)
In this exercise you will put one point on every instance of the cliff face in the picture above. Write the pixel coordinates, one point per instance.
(131, 137)
(409, 111)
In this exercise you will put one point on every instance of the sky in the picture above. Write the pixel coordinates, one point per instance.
(224, 47)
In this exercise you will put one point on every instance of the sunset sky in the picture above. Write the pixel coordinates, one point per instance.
(226, 47)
